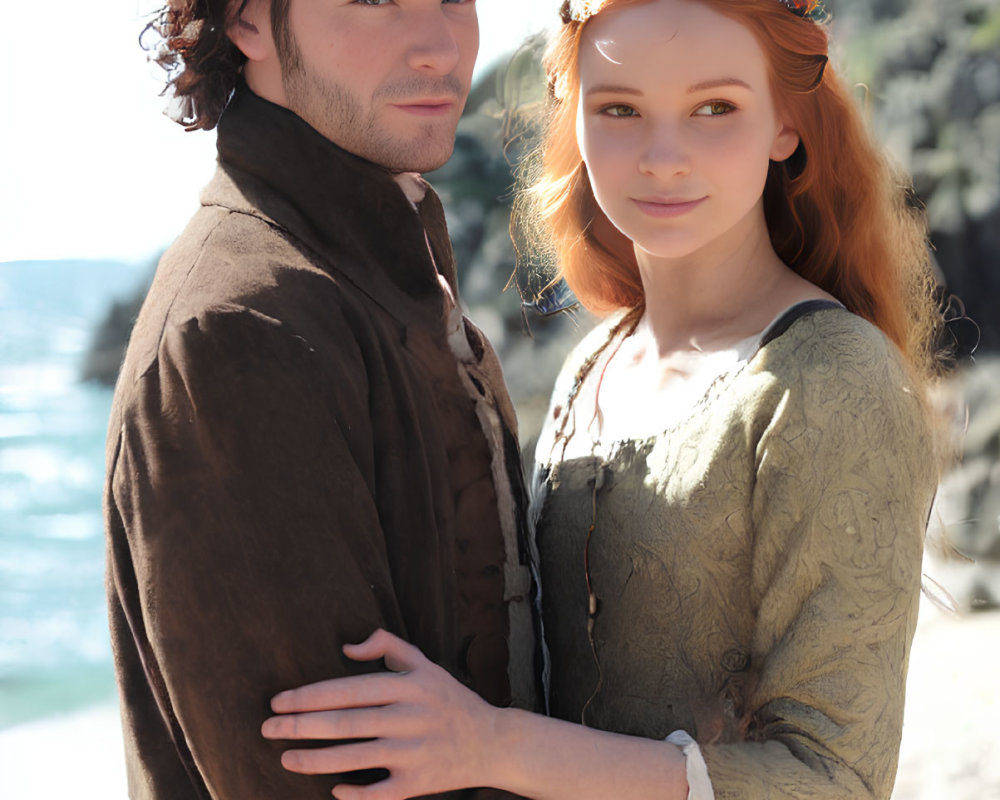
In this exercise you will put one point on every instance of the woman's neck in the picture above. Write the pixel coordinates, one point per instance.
(719, 295)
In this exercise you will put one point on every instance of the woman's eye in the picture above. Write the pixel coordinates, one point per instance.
(373, 2)
(619, 111)
(717, 108)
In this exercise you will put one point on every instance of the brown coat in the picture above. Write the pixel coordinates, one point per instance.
(294, 458)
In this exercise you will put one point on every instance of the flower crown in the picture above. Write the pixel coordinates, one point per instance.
(582, 10)
(807, 9)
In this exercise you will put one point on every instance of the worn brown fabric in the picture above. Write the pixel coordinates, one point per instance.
(756, 566)
(294, 460)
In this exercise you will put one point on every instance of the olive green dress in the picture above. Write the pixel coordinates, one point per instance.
(750, 575)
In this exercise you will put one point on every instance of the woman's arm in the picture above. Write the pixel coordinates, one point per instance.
(434, 735)
(844, 479)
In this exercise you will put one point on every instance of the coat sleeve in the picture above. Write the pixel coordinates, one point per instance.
(845, 478)
(246, 547)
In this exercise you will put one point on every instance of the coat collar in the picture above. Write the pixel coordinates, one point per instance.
(350, 212)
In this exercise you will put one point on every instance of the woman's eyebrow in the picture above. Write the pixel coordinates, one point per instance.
(606, 88)
(717, 82)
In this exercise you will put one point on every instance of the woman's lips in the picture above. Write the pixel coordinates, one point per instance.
(667, 207)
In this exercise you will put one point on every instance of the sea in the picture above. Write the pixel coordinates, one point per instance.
(55, 656)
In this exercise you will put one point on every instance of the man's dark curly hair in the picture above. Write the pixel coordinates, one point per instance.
(201, 62)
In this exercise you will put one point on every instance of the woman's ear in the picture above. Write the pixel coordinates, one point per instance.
(250, 29)
(786, 141)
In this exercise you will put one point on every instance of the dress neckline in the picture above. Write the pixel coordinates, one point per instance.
(746, 351)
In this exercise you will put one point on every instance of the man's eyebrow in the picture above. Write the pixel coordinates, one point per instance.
(716, 83)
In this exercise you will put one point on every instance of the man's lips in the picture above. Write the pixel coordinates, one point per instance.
(428, 108)
(664, 207)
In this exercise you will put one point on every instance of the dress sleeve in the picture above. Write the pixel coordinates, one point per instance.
(845, 476)
(250, 547)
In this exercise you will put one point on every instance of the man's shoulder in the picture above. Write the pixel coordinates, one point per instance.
(231, 269)
(226, 254)
(228, 257)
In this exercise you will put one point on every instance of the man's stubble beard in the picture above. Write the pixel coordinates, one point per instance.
(337, 113)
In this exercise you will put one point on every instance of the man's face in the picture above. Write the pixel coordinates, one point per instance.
(385, 79)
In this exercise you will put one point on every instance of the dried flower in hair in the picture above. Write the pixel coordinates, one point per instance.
(580, 10)
(808, 9)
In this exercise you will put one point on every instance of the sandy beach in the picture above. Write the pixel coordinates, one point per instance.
(950, 750)
(78, 755)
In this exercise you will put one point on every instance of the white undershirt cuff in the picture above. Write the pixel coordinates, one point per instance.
(699, 784)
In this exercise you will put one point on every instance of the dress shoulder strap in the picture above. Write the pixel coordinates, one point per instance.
(781, 325)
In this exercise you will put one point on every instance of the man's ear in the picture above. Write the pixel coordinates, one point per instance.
(250, 29)
(786, 141)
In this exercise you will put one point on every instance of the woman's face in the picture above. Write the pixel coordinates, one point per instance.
(676, 124)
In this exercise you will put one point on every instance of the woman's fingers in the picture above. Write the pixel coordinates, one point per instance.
(357, 691)
(411, 718)
(364, 723)
(399, 656)
(338, 758)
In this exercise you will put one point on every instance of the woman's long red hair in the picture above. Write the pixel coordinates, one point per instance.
(838, 211)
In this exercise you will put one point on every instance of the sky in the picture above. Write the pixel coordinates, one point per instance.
(89, 165)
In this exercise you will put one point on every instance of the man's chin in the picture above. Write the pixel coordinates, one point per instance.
(431, 166)
(426, 161)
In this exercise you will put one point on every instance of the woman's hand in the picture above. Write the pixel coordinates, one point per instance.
(427, 729)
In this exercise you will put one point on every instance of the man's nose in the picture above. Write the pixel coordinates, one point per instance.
(434, 48)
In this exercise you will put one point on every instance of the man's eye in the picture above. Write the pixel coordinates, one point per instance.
(717, 108)
(619, 111)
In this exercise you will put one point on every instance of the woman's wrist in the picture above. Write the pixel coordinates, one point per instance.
(503, 767)
(548, 759)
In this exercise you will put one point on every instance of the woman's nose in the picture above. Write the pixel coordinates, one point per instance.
(664, 152)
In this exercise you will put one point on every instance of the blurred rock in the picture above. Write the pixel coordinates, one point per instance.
(934, 73)
(104, 356)
(965, 541)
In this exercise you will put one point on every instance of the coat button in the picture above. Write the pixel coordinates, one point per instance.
(735, 660)
(486, 651)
